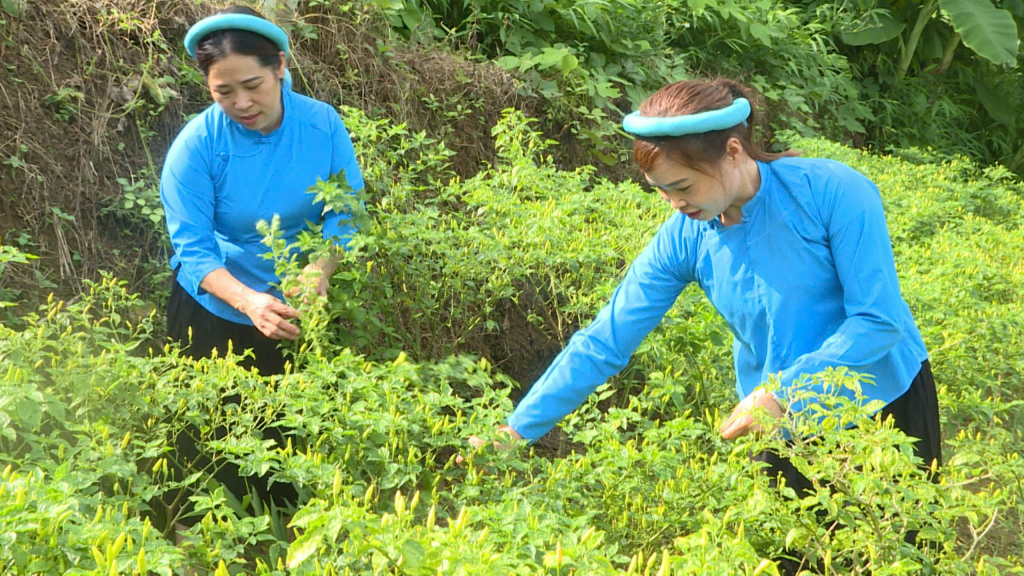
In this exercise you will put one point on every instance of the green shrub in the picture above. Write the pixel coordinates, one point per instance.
(411, 357)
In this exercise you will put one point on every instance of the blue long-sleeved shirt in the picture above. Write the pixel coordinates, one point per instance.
(805, 281)
(219, 179)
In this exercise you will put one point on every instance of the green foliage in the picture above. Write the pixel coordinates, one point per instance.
(65, 103)
(140, 202)
(873, 28)
(474, 274)
(989, 31)
(15, 8)
(940, 73)
(398, 167)
(592, 60)
(10, 255)
(409, 356)
(923, 87)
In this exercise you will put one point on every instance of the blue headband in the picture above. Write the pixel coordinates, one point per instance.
(645, 127)
(246, 22)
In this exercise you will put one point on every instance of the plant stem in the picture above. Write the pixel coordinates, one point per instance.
(947, 54)
(978, 538)
(1018, 158)
(915, 35)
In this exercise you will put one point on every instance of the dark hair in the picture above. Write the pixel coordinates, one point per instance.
(217, 45)
(699, 151)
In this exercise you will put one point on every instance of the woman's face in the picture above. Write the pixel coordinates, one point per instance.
(695, 194)
(248, 92)
(704, 196)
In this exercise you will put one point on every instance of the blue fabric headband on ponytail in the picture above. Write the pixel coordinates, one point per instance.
(246, 22)
(647, 127)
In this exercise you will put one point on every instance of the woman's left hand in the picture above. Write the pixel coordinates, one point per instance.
(741, 422)
(312, 279)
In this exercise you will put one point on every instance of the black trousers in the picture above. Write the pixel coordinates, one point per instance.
(916, 413)
(208, 332)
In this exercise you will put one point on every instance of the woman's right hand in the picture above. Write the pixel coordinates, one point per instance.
(514, 437)
(476, 442)
(270, 316)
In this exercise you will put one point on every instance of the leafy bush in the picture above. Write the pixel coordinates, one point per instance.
(938, 74)
(591, 60)
(410, 357)
(10, 255)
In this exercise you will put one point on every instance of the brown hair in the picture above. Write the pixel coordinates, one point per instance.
(699, 151)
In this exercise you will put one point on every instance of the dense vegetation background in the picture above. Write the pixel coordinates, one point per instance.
(501, 211)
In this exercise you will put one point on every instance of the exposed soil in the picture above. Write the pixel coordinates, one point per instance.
(95, 90)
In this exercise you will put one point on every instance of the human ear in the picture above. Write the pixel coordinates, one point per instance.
(282, 66)
(734, 150)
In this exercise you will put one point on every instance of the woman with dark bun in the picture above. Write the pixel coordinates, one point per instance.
(250, 156)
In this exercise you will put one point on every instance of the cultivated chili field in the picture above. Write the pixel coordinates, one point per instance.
(455, 295)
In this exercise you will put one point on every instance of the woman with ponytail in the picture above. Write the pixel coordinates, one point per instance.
(793, 252)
